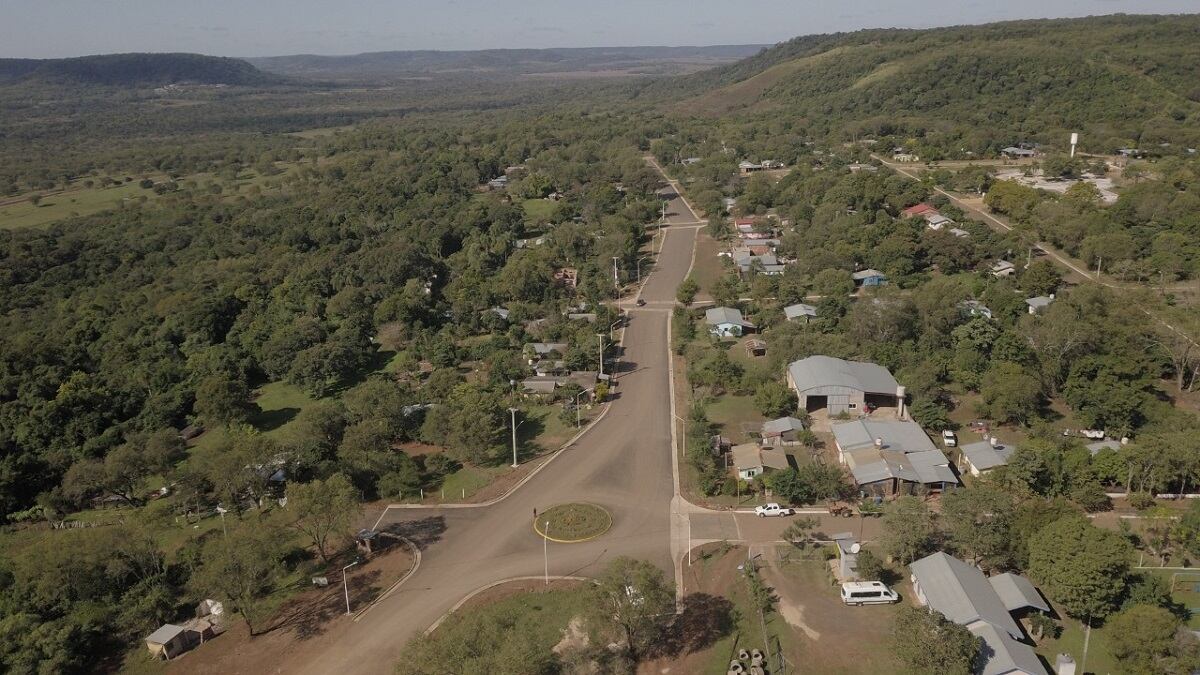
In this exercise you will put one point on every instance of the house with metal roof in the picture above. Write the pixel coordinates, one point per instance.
(842, 386)
(750, 460)
(964, 595)
(1003, 268)
(726, 322)
(937, 221)
(974, 308)
(983, 456)
(1039, 303)
(1095, 448)
(869, 277)
(800, 312)
(891, 457)
(782, 431)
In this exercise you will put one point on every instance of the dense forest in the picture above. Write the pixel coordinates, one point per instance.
(372, 268)
(1121, 81)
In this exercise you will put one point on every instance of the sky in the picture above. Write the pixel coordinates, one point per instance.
(56, 28)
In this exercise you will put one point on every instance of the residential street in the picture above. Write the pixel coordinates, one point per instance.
(622, 463)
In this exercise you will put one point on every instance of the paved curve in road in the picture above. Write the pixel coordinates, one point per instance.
(622, 463)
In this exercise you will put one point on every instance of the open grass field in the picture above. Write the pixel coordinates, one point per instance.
(75, 202)
(737, 416)
(538, 210)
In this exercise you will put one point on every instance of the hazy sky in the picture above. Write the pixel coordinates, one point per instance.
(50, 28)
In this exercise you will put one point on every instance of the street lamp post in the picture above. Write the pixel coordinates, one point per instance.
(546, 551)
(578, 422)
(513, 412)
(346, 586)
(616, 277)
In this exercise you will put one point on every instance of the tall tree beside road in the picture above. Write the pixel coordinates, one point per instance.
(1081, 567)
(243, 568)
(687, 290)
(927, 643)
(908, 529)
(324, 510)
(632, 599)
(978, 522)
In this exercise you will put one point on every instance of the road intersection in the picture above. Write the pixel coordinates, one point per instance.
(627, 462)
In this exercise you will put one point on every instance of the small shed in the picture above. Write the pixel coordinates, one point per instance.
(800, 312)
(755, 348)
(169, 641)
(869, 277)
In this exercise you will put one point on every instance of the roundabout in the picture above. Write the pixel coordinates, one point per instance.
(572, 523)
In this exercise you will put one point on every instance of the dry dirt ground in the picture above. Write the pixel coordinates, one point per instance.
(314, 612)
(832, 638)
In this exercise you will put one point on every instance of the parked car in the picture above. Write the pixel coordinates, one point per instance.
(949, 438)
(772, 509)
(859, 593)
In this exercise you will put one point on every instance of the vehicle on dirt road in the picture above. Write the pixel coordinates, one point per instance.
(773, 509)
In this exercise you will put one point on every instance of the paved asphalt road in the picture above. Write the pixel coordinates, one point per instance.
(622, 463)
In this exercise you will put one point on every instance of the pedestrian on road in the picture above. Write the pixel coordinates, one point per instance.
(535, 513)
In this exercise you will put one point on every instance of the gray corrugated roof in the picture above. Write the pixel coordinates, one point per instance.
(866, 274)
(1039, 301)
(715, 316)
(1017, 592)
(821, 371)
(778, 426)
(1002, 655)
(899, 435)
(799, 309)
(745, 456)
(775, 459)
(984, 456)
(165, 633)
(1101, 445)
(543, 348)
(961, 592)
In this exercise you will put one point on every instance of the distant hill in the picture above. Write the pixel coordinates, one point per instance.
(584, 60)
(1121, 78)
(134, 70)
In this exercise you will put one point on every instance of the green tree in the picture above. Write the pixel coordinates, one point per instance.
(1042, 278)
(833, 283)
(908, 529)
(978, 523)
(774, 399)
(222, 401)
(1081, 567)
(925, 642)
(324, 510)
(1147, 639)
(687, 290)
(870, 567)
(1010, 394)
(243, 568)
(631, 598)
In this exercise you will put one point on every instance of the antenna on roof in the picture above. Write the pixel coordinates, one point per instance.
(1074, 142)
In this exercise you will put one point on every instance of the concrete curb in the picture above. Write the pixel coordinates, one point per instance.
(496, 500)
(599, 534)
(458, 605)
(387, 593)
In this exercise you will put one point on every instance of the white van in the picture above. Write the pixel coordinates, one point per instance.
(860, 593)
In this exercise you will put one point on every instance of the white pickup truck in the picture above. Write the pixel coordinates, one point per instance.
(772, 509)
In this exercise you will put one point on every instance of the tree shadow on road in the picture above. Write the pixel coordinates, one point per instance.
(422, 532)
(704, 620)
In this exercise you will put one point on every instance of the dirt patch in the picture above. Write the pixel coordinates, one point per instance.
(415, 449)
(291, 636)
(832, 637)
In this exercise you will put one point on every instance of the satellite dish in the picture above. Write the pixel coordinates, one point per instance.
(855, 547)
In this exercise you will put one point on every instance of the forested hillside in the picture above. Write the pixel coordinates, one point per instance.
(1120, 80)
(134, 70)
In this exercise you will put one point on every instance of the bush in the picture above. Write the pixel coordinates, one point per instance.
(1141, 500)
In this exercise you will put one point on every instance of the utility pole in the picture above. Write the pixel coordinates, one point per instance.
(513, 412)
(616, 277)
(601, 336)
